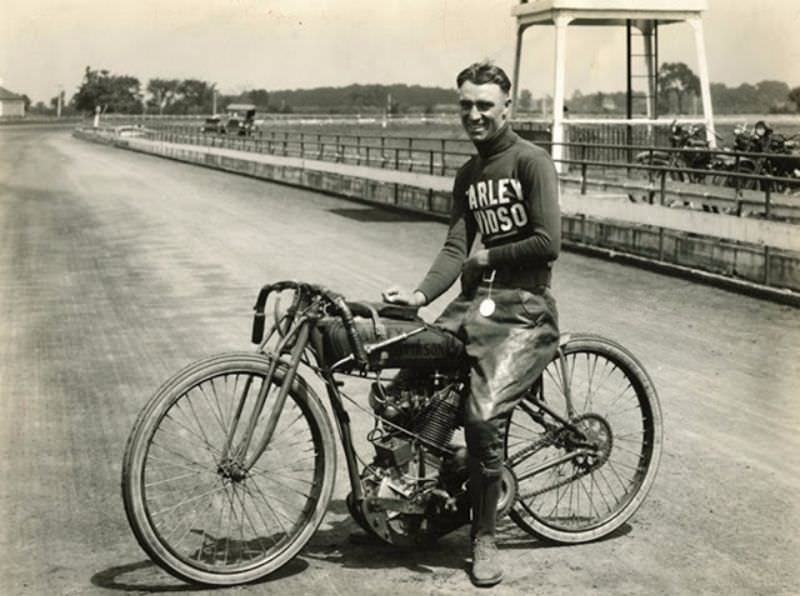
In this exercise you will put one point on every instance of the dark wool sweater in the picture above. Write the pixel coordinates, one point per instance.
(509, 194)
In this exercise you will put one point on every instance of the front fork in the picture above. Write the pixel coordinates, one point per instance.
(237, 456)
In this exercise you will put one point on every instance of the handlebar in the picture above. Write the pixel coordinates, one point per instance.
(331, 298)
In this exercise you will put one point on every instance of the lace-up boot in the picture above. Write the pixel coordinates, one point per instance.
(486, 569)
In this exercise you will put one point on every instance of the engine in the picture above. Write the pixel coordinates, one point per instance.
(426, 410)
(414, 488)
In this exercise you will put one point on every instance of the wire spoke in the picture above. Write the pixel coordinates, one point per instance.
(202, 442)
(188, 500)
(177, 454)
(174, 478)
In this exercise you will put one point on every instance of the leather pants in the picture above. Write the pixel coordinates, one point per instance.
(508, 350)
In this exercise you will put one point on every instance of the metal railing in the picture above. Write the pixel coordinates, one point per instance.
(435, 156)
(659, 175)
(729, 181)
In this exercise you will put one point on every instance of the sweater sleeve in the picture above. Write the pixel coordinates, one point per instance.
(540, 182)
(447, 265)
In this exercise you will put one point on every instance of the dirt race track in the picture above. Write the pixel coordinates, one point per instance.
(118, 268)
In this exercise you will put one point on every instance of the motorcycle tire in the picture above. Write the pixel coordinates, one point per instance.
(614, 403)
(195, 513)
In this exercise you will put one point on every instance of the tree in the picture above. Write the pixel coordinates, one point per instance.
(794, 96)
(163, 93)
(772, 91)
(525, 100)
(259, 98)
(676, 78)
(111, 93)
(599, 102)
(40, 108)
(195, 97)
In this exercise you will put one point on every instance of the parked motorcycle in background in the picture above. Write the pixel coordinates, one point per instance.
(688, 159)
(691, 137)
(779, 159)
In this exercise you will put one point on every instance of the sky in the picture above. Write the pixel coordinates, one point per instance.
(288, 44)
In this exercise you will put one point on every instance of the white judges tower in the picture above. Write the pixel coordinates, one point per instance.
(641, 18)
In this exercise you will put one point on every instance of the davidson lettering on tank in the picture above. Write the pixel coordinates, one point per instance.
(498, 207)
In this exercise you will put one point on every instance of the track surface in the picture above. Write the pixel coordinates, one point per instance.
(118, 268)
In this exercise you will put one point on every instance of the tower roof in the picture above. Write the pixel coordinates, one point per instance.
(606, 12)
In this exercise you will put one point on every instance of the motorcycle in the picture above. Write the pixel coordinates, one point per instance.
(230, 466)
(688, 160)
(759, 152)
(781, 161)
(684, 165)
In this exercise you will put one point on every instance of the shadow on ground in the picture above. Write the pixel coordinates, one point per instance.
(145, 576)
(378, 215)
(343, 543)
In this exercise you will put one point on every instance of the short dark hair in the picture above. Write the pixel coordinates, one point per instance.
(482, 73)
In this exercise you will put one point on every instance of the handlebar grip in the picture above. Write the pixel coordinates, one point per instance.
(259, 318)
(258, 328)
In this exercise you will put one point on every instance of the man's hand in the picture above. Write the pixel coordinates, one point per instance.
(472, 271)
(479, 261)
(395, 295)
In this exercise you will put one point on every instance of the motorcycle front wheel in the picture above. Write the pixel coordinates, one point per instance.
(576, 487)
(193, 507)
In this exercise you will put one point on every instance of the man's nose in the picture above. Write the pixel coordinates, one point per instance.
(474, 113)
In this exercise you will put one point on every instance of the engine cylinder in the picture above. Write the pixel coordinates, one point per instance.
(439, 421)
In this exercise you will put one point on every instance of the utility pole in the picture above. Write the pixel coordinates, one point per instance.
(59, 101)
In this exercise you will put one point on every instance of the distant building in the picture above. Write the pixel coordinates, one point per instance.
(240, 109)
(11, 104)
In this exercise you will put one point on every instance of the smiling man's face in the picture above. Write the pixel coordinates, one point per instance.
(484, 109)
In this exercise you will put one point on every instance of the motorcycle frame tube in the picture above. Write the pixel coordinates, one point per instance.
(345, 432)
(554, 462)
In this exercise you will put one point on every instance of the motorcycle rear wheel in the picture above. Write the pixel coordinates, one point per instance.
(585, 498)
(196, 514)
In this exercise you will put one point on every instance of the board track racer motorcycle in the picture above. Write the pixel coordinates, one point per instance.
(230, 466)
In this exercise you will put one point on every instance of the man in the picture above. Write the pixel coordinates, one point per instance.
(505, 313)
(762, 136)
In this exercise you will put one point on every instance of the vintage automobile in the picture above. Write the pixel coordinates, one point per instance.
(241, 119)
(213, 124)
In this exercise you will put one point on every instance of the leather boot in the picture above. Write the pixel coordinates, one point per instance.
(475, 496)
(486, 569)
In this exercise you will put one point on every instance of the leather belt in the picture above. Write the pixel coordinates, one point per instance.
(517, 277)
